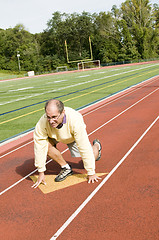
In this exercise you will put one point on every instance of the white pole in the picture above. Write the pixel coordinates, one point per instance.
(18, 55)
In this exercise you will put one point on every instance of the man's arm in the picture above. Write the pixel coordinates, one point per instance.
(40, 151)
(85, 149)
(40, 145)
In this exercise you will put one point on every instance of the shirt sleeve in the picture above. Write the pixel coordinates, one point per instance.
(40, 145)
(84, 145)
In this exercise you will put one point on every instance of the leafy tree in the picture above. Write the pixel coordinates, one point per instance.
(127, 33)
(74, 28)
(107, 38)
(18, 40)
(155, 36)
(138, 17)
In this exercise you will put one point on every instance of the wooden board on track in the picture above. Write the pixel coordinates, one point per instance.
(52, 186)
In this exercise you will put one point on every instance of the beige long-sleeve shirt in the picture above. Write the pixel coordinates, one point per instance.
(73, 130)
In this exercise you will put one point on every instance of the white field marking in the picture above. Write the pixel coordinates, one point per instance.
(71, 86)
(113, 70)
(83, 76)
(124, 68)
(79, 209)
(20, 89)
(17, 95)
(88, 135)
(58, 81)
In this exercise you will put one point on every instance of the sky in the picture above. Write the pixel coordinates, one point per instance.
(34, 14)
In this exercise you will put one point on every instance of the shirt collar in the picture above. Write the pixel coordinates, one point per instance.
(63, 122)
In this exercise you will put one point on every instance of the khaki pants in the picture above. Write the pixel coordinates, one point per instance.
(72, 147)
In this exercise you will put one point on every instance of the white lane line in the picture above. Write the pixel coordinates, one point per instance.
(130, 90)
(124, 111)
(79, 209)
(16, 183)
(16, 149)
(88, 135)
(107, 103)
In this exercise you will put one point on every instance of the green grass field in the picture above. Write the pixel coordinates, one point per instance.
(7, 75)
(22, 101)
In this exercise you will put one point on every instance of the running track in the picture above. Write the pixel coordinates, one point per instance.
(123, 205)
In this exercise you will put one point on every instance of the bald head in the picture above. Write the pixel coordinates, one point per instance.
(54, 103)
(54, 110)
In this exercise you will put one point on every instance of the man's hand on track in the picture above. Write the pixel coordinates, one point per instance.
(41, 179)
(93, 178)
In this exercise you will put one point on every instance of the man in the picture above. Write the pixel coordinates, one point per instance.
(63, 124)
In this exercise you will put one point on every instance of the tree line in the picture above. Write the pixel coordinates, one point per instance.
(127, 33)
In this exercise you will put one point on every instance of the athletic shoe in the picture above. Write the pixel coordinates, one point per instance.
(100, 148)
(64, 173)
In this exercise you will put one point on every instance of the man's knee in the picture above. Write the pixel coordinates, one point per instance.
(51, 146)
(53, 142)
(53, 152)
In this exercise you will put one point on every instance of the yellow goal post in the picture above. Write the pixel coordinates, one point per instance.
(91, 54)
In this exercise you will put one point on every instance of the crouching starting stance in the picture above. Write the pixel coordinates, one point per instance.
(65, 125)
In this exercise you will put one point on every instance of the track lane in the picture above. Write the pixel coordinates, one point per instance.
(27, 205)
(141, 90)
(120, 200)
(117, 115)
(126, 207)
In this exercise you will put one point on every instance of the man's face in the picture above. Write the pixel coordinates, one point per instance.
(53, 115)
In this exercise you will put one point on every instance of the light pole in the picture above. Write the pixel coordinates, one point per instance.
(18, 55)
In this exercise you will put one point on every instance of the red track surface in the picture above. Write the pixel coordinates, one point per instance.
(126, 206)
